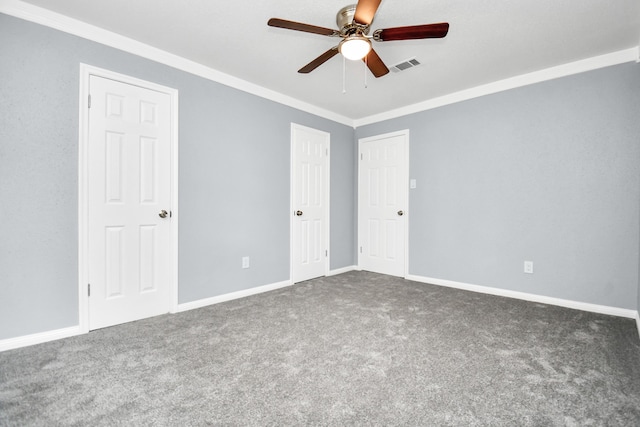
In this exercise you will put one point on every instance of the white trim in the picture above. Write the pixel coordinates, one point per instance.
(327, 196)
(584, 306)
(231, 296)
(39, 338)
(615, 58)
(407, 210)
(83, 201)
(327, 209)
(83, 273)
(406, 133)
(175, 211)
(78, 28)
(68, 25)
(342, 270)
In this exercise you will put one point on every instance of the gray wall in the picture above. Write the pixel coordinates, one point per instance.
(234, 179)
(548, 173)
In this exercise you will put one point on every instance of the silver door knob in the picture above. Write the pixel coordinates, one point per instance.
(400, 213)
(298, 213)
(163, 214)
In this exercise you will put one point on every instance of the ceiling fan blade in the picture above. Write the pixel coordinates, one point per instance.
(365, 11)
(375, 64)
(298, 26)
(428, 31)
(319, 60)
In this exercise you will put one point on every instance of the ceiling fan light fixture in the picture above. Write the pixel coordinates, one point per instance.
(355, 47)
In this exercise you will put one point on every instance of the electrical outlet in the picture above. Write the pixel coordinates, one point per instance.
(528, 267)
(245, 262)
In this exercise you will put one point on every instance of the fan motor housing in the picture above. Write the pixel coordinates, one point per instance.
(345, 15)
(347, 27)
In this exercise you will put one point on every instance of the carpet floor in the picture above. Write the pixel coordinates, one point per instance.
(354, 349)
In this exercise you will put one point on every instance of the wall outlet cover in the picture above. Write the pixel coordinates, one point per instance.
(528, 267)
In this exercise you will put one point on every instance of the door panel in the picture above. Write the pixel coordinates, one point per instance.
(310, 200)
(129, 183)
(382, 203)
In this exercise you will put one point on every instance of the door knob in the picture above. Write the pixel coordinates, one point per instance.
(400, 213)
(298, 213)
(163, 214)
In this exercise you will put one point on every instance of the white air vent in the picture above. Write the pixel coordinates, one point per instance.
(409, 63)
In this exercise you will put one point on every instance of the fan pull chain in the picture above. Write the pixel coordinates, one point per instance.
(366, 65)
(344, 75)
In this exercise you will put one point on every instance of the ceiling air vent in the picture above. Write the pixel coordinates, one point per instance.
(410, 63)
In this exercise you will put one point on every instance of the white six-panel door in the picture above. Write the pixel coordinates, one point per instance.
(310, 182)
(129, 187)
(382, 203)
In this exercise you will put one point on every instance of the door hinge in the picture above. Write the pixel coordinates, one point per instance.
(326, 151)
(89, 289)
(361, 156)
(89, 102)
(360, 249)
(326, 253)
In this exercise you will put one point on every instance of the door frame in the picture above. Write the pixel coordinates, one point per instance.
(326, 200)
(405, 178)
(86, 71)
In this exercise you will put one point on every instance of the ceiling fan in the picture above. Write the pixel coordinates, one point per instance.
(354, 22)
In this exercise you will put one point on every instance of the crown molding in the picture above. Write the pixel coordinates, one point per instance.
(78, 28)
(615, 58)
(28, 12)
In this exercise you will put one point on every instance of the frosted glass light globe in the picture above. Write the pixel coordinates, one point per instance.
(355, 47)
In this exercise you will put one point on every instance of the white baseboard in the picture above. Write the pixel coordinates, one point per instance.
(594, 308)
(42, 337)
(231, 296)
(342, 270)
(248, 292)
(39, 338)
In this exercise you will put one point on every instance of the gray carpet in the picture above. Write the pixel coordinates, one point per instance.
(354, 349)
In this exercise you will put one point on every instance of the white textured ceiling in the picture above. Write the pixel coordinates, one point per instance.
(488, 40)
